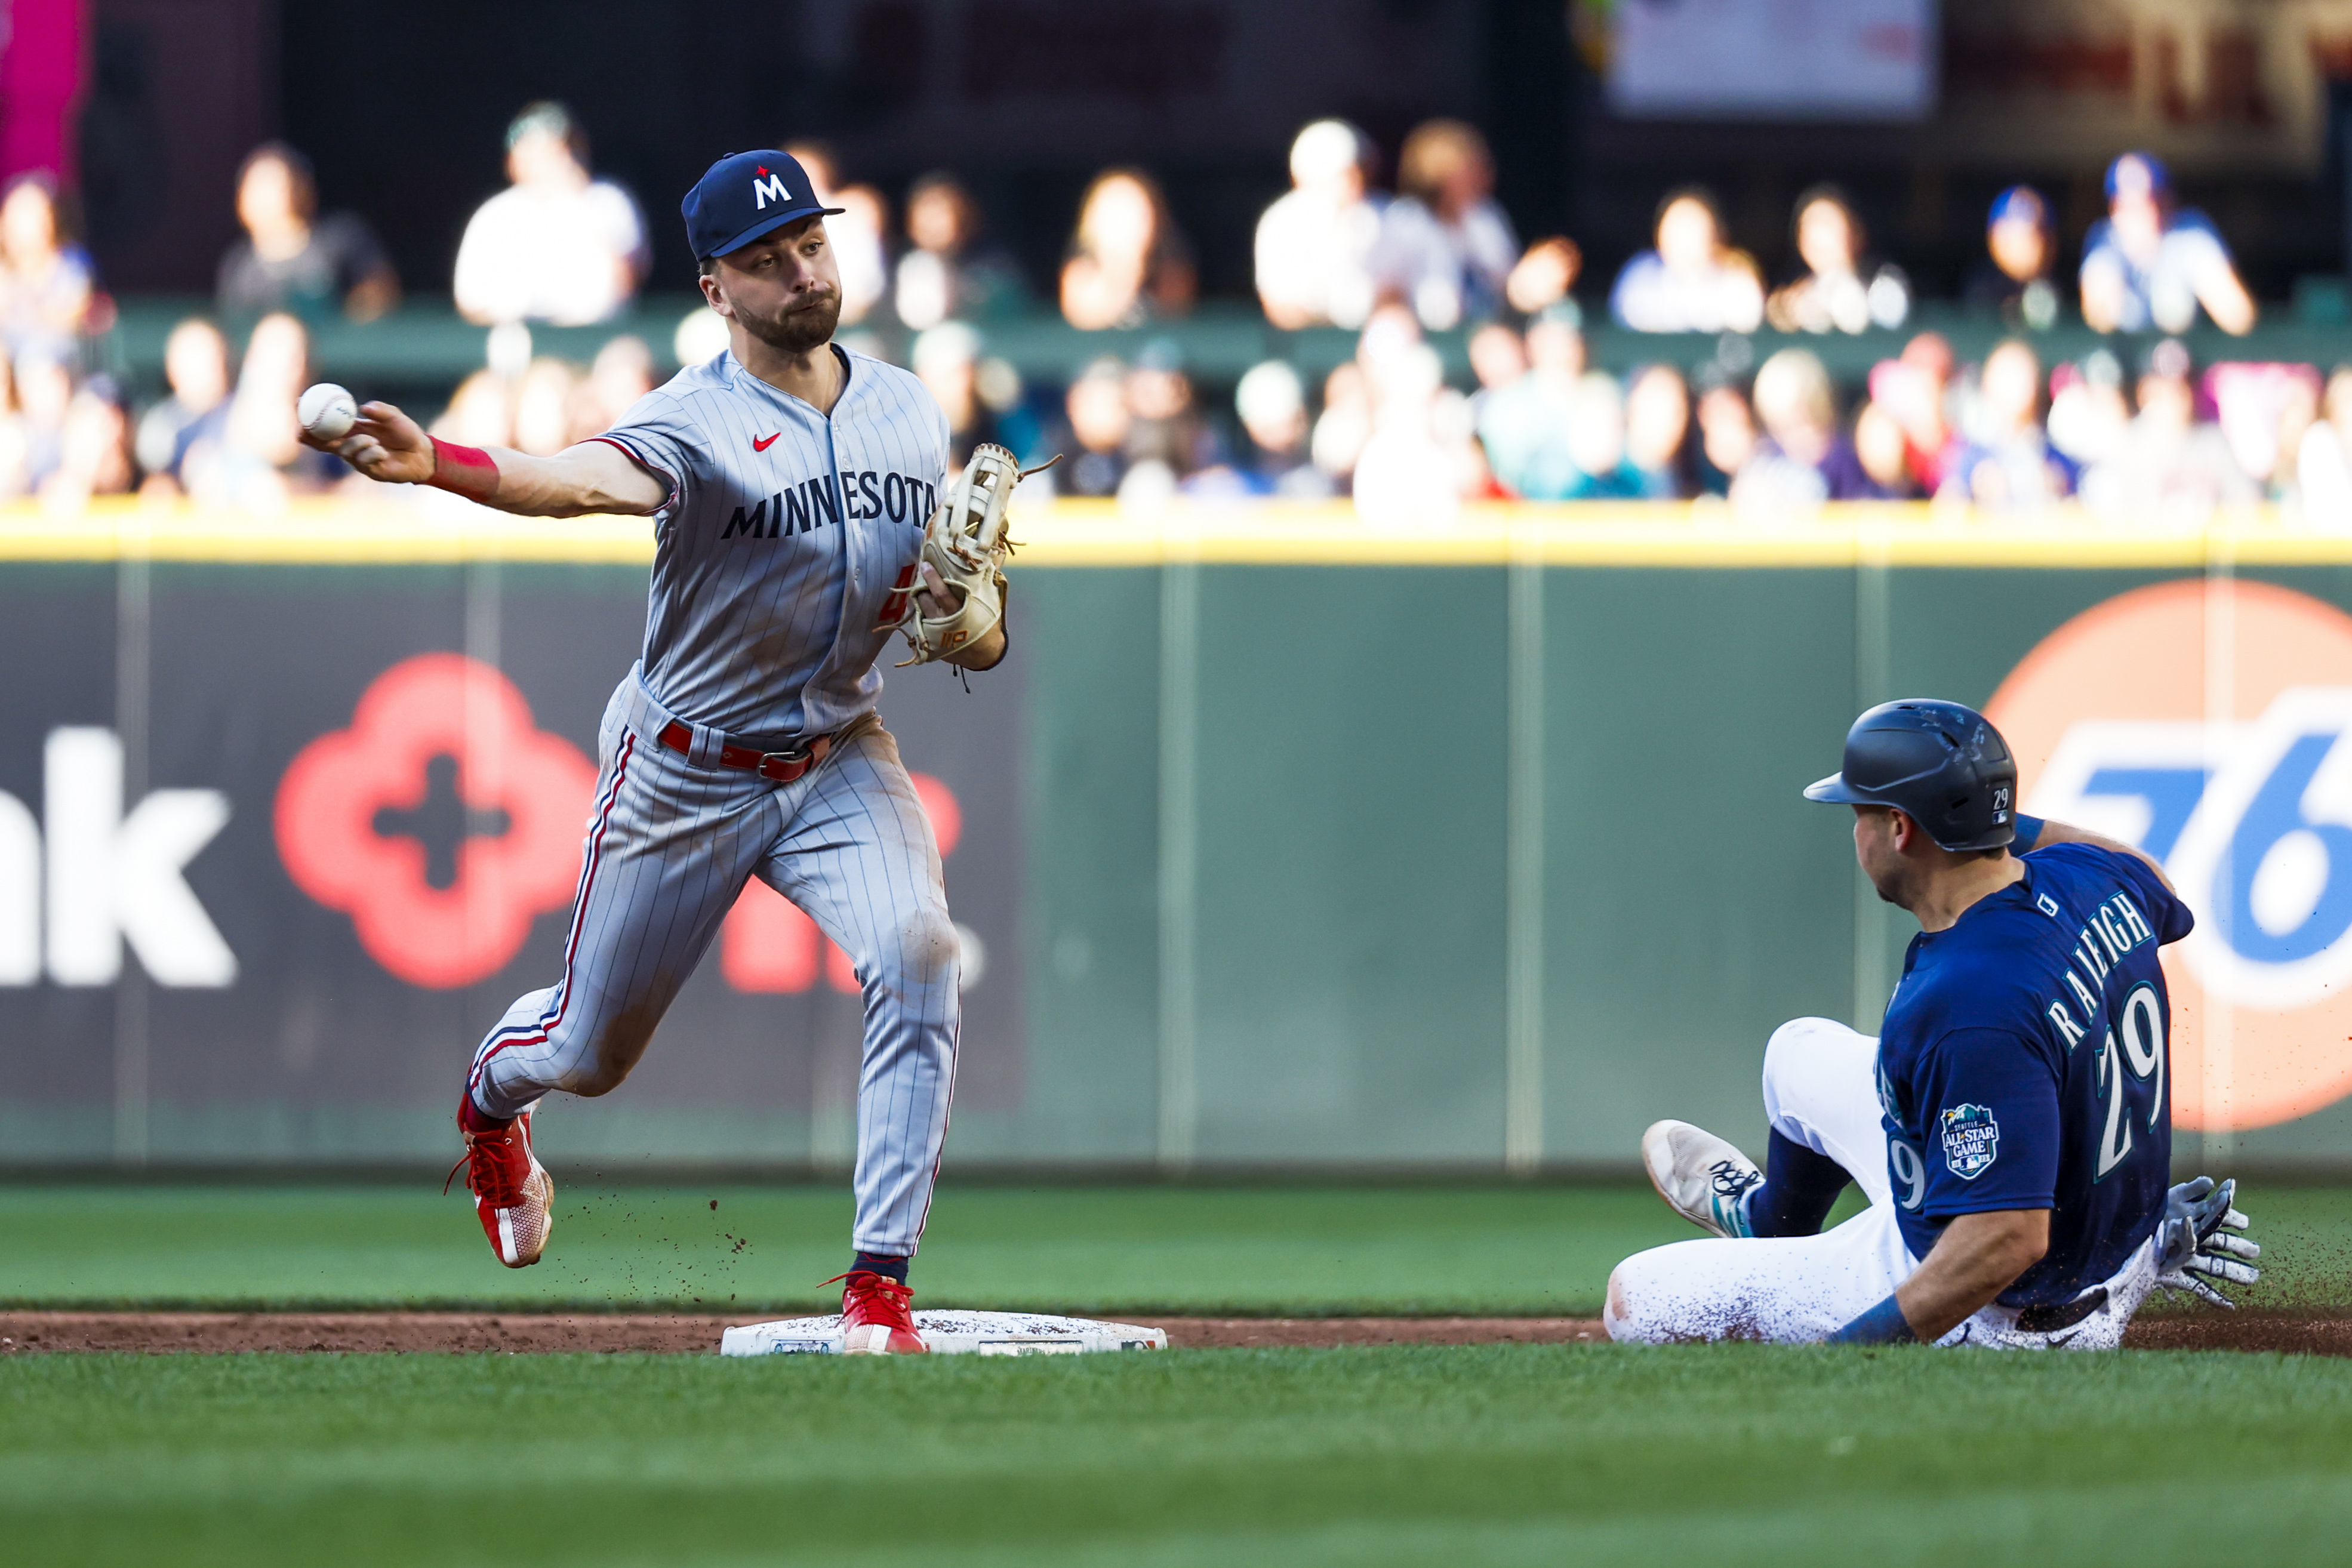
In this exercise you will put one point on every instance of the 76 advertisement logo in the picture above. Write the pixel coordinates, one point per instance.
(2210, 724)
(2253, 821)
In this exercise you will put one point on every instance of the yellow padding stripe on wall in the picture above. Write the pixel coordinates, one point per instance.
(428, 528)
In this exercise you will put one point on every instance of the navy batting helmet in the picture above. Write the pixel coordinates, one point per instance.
(1941, 764)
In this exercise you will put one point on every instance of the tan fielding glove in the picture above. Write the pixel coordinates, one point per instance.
(965, 543)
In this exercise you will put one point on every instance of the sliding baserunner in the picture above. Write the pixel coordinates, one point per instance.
(790, 482)
(2011, 1125)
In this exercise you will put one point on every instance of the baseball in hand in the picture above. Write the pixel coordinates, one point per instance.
(327, 411)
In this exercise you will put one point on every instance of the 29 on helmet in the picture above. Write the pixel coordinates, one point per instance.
(1941, 764)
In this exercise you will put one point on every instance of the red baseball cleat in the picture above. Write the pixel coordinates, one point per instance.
(513, 1194)
(878, 1316)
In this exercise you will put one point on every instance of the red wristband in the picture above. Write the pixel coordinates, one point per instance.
(467, 471)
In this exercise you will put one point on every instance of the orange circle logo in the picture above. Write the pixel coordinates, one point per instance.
(2205, 721)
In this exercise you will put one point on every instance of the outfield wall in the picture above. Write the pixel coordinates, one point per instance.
(1277, 841)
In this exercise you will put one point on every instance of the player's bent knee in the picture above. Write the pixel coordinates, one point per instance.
(1800, 1035)
(929, 950)
(595, 1082)
(618, 1046)
(1797, 1045)
(1627, 1310)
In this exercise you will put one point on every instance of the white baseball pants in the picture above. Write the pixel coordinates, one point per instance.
(1820, 1090)
(671, 842)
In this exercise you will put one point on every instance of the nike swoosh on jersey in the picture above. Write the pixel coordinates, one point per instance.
(759, 445)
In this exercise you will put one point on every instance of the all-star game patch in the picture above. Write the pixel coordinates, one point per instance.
(1971, 1140)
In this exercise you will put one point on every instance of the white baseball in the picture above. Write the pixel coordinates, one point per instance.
(327, 411)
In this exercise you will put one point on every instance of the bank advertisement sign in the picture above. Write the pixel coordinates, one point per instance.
(263, 890)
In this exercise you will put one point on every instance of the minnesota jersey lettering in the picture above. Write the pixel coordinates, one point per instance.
(752, 526)
(749, 463)
(813, 503)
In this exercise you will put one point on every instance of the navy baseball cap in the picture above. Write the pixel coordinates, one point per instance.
(745, 196)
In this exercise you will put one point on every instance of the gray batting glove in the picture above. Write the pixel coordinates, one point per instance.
(2196, 1244)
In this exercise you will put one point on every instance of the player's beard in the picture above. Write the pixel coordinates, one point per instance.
(1897, 882)
(804, 324)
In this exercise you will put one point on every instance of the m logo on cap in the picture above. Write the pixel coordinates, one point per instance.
(773, 185)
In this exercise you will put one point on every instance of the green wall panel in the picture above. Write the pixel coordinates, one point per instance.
(1350, 876)
(1092, 794)
(1693, 900)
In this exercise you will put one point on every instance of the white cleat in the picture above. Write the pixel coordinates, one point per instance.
(1702, 1178)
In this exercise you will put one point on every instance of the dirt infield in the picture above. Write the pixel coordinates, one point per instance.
(528, 1334)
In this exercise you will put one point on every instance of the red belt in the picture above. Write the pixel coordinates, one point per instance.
(783, 766)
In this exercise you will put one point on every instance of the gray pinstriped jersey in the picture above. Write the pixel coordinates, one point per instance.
(784, 534)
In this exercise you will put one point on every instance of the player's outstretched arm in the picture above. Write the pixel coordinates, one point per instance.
(388, 446)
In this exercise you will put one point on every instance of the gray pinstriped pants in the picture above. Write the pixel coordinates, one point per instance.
(669, 847)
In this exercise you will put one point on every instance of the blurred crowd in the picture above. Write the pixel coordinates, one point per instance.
(2157, 441)
(556, 245)
(2154, 437)
(1434, 265)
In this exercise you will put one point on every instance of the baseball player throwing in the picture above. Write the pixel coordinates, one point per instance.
(2011, 1125)
(790, 482)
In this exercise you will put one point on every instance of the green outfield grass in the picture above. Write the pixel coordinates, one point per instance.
(1523, 1250)
(1261, 1250)
(1582, 1454)
(1483, 1455)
